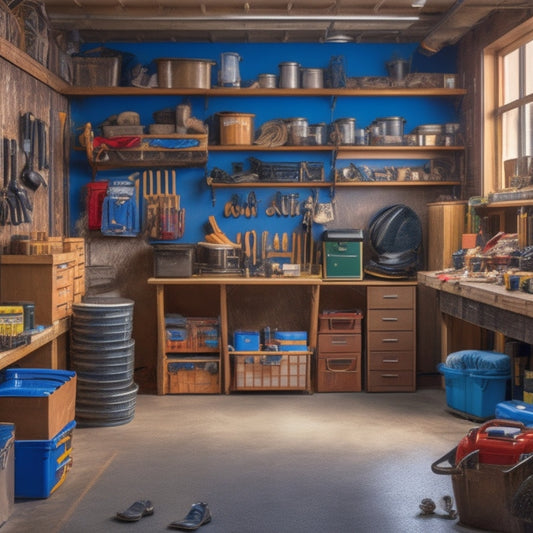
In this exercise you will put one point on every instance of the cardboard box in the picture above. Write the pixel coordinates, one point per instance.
(7, 471)
(40, 402)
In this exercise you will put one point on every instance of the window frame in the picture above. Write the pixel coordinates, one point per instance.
(493, 107)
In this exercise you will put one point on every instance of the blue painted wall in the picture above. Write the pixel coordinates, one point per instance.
(196, 197)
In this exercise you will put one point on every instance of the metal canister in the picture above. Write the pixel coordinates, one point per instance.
(391, 125)
(343, 131)
(298, 130)
(268, 81)
(316, 134)
(361, 136)
(289, 75)
(312, 78)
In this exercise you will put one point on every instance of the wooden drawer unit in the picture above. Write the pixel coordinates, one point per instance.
(391, 339)
(46, 280)
(391, 297)
(391, 319)
(339, 343)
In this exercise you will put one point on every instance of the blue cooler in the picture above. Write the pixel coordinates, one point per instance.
(41, 466)
(515, 410)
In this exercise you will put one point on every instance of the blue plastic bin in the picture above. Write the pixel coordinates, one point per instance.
(7, 471)
(42, 465)
(246, 341)
(515, 410)
(474, 392)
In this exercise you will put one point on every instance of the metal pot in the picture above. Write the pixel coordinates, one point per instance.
(268, 81)
(390, 125)
(289, 74)
(298, 130)
(184, 73)
(312, 78)
(343, 131)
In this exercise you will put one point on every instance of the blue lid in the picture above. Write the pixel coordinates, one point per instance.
(33, 382)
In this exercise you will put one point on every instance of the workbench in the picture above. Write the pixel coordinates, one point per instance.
(487, 305)
(47, 349)
(287, 303)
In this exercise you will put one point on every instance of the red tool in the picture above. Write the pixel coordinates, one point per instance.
(500, 442)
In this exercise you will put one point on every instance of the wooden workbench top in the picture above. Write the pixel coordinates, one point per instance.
(488, 293)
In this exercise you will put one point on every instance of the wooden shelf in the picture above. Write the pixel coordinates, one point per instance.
(509, 203)
(225, 91)
(432, 183)
(271, 185)
(347, 151)
(22, 60)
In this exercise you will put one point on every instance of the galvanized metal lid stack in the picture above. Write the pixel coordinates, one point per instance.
(103, 355)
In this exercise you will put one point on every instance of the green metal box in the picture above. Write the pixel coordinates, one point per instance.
(343, 254)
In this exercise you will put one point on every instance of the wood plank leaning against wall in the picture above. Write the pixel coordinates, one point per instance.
(20, 93)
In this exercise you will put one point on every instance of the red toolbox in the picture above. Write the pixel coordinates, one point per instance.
(500, 442)
(340, 321)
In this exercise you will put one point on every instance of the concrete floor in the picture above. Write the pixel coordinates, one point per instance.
(265, 463)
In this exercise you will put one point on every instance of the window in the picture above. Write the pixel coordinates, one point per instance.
(508, 139)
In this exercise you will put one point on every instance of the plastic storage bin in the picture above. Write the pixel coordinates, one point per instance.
(474, 392)
(42, 465)
(246, 341)
(39, 401)
(291, 341)
(7, 471)
(515, 410)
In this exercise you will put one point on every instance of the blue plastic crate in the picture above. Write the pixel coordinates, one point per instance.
(246, 341)
(42, 465)
(515, 410)
(474, 392)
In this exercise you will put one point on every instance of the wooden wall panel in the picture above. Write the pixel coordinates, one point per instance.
(21, 93)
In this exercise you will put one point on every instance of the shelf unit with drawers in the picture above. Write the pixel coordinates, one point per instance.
(391, 339)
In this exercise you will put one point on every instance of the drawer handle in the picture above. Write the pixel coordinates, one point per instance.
(389, 340)
(390, 375)
(339, 342)
(390, 296)
(346, 370)
(390, 361)
(389, 319)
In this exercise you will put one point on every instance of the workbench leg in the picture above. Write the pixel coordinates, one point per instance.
(162, 374)
(313, 331)
(224, 359)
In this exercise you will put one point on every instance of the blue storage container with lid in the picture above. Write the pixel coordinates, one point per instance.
(476, 381)
(41, 466)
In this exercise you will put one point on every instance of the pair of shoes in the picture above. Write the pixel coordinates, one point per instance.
(196, 517)
(136, 511)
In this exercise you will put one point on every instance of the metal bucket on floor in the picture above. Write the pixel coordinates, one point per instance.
(103, 355)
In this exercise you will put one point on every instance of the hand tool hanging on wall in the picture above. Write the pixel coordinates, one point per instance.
(4, 206)
(30, 177)
(19, 202)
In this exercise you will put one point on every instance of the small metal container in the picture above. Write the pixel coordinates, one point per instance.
(361, 136)
(289, 75)
(316, 134)
(390, 125)
(298, 129)
(268, 81)
(343, 131)
(312, 78)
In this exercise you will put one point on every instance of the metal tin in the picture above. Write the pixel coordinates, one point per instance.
(316, 134)
(390, 125)
(361, 136)
(312, 78)
(268, 81)
(298, 129)
(184, 73)
(289, 75)
(229, 74)
(343, 131)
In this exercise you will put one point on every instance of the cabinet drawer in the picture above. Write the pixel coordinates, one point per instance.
(339, 343)
(383, 381)
(339, 374)
(391, 361)
(391, 297)
(63, 276)
(391, 340)
(390, 319)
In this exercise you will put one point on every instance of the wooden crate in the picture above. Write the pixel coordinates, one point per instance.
(446, 225)
(194, 376)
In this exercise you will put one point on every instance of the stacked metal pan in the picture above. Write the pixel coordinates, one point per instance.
(102, 353)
